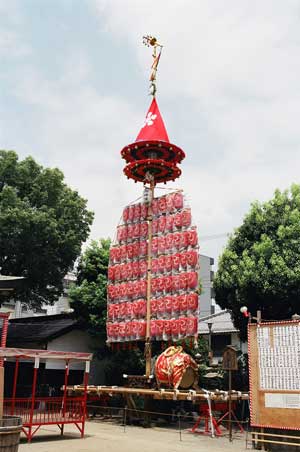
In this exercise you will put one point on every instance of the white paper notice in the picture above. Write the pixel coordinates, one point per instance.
(280, 400)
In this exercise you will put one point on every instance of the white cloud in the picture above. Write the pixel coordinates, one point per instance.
(228, 91)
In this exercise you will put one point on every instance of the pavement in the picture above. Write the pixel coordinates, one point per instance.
(111, 437)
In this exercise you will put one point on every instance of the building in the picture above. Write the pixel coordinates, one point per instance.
(219, 331)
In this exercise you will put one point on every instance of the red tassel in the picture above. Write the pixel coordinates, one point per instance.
(191, 343)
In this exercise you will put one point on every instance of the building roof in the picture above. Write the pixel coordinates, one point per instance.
(39, 329)
(10, 282)
(221, 323)
(24, 353)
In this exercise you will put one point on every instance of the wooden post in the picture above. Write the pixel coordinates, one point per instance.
(149, 264)
(1, 390)
(229, 404)
(15, 386)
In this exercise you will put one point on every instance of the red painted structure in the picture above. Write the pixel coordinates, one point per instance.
(38, 411)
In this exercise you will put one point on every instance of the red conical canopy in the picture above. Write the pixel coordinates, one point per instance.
(153, 128)
(152, 153)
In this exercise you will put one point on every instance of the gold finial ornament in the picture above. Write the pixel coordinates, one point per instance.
(157, 48)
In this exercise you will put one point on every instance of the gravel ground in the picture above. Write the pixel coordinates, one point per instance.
(110, 437)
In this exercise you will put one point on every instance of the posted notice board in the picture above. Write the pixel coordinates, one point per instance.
(274, 372)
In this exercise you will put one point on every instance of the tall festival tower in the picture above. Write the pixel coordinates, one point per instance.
(154, 261)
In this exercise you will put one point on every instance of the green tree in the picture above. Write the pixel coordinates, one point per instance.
(260, 267)
(42, 226)
(88, 296)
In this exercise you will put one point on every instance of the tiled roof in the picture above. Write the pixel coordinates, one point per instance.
(39, 329)
(221, 323)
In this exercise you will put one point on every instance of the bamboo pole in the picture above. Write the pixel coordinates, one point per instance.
(149, 275)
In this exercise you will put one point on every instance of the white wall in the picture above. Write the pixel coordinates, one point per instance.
(74, 341)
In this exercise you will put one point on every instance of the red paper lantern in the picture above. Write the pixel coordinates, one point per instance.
(142, 308)
(141, 329)
(167, 328)
(160, 284)
(110, 330)
(125, 214)
(168, 283)
(186, 217)
(128, 289)
(122, 330)
(128, 330)
(137, 212)
(123, 271)
(175, 261)
(154, 206)
(136, 289)
(168, 263)
(161, 307)
(116, 330)
(192, 301)
(182, 302)
(131, 213)
(136, 230)
(136, 249)
(192, 258)
(135, 269)
(154, 226)
(154, 246)
(154, 285)
(161, 241)
(110, 311)
(162, 204)
(130, 232)
(159, 328)
(177, 240)
(143, 268)
(192, 237)
(154, 266)
(130, 251)
(183, 260)
(129, 310)
(143, 248)
(144, 229)
(111, 273)
(112, 255)
(184, 240)
(175, 324)
(178, 201)
(134, 329)
(169, 223)
(168, 304)
(144, 211)
(153, 305)
(192, 280)
(169, 202)
(161, 263)
(192, 325)
(111, 291)
(142, 287)
(153, 328)
(175, 304)
(122, 310)
(162, 224)
(122, 251)
(177, 223)
(169, 241)
(182, 326)
(176, 283)
(183, 281)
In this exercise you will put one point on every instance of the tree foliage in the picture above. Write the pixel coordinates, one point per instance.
(43, 223)
(88, 297)
(260, 267)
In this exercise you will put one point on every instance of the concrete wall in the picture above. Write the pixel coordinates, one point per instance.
(206, 275)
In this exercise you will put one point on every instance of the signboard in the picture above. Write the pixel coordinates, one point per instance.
(274, 370)
(229, 361)
(174, 273)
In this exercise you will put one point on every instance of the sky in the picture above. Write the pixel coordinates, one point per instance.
(74, 91)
